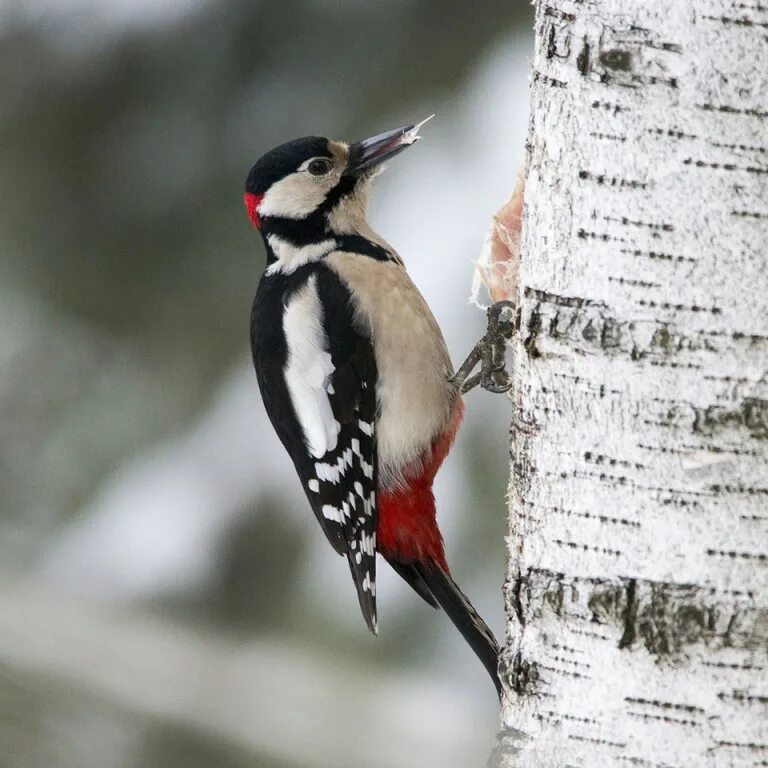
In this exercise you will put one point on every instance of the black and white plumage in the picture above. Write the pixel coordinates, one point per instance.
(317, 375)
(354, 371)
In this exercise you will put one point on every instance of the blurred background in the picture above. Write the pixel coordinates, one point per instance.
(166, 597)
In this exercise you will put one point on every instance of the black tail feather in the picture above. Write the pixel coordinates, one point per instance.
(466, 619)
(365, 583)
(409, 573)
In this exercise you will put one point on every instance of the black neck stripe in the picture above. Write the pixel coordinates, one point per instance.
(363, 246)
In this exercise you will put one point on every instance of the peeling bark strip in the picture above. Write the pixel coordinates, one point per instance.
(637, 593)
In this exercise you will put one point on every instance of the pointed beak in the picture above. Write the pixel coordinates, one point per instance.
(368, 153)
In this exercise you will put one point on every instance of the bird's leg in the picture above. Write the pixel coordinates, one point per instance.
(489, 352)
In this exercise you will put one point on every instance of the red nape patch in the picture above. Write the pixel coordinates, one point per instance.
(407, 526)
(252, 203)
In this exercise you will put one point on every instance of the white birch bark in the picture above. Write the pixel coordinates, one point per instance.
(637, 592)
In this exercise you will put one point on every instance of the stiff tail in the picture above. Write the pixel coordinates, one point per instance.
(408, 572)
(466, 619)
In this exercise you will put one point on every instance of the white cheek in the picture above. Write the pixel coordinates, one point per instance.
(294, 197)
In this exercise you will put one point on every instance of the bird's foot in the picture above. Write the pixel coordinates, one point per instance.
(489, 353)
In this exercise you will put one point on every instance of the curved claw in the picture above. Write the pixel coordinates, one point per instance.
(498, 382)
(490, 353)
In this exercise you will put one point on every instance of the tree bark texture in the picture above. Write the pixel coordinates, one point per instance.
(637, 592)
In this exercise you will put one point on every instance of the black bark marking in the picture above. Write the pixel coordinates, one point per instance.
(601, 458)
(679, 307)
(567, 648)
(556, 34)
(572, 718)
(630, 616)
(584, 234)
(662, 340)
(727, 379)
(658, 255)
(670, 82)
(624, 220)
(751, 337)
(586, 323)
(724, 166)
(556, 13)
(590, 633)
(540, 77)
(751, 745)
(738, 22)
(674, 134)
(657, 703)
(663, 46)
(666, 719)
(751, 414)
(724, 665)
(633, 283)
(593, 516)
(590, 740)
(560, 301)
(612, 181)
(761, 556)
(533, 328)
(607, 136)
(524, 676)
(616, 63)
(551, 43)
(742, 697)
(671, 619)
(609, 106)
(663, 617)
(610, 338)
(740, 147)
(554, 595)
(718, 449)
(517, 602)
(731, 110)
(750, 214)
(603, 604)
(616, 59)
(582, 60)
(586, 547)
(749, 490)
(566, 672)
(667, 364)
(605, 477)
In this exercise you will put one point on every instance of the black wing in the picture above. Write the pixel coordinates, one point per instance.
(338, 472)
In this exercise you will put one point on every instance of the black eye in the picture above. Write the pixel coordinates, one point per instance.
(319, 167)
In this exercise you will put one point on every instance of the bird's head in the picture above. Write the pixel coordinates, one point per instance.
(311, 188)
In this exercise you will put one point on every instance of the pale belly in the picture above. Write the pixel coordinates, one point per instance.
(415, 399)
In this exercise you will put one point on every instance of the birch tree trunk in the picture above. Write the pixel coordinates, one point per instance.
(637, 592)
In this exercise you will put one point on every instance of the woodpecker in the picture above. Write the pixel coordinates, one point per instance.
(354, 371)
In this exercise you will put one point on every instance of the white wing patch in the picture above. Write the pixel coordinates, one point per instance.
(309, 369)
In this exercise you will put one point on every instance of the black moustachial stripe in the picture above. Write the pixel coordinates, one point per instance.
(364, 247)
(309, 230)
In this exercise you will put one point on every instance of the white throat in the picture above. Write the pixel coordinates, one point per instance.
(290, 257)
